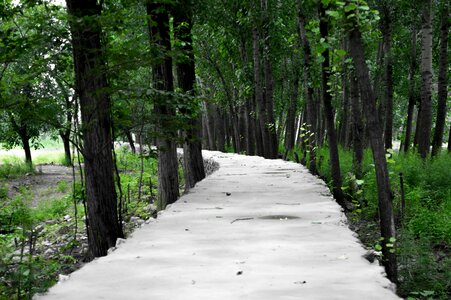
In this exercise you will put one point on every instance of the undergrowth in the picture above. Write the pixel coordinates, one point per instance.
(39, 243)
(423, 228)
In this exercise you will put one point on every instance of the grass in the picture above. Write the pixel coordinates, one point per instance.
(15, 169)
(424, 232)
(22, 275)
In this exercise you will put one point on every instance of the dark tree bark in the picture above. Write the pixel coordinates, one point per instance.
(308, 92)
(205, 135)
(192, 147)
(417, 125)
(258, 135)
(91, 81)
(210, 117)
(130, 140)
(21, 128)
(25, 139)
(424, 136)
(412, 100)
(65, 137)
(269, 99)
(442, 80)
(290, 132)
(329, 114)
(387, 223)
(168, 182)
(345, 124)
(357, 125)
(449, 139)
(220, 132)
(249, 109)
(388, 72)
(250, 142)
(65, 131)
(270, 124)
(259, 96)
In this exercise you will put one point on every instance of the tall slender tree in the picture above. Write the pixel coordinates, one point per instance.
(328, 111)
(192, 148)
(162, 80)
(425, 117)
(357, 125)
(387, 32)
(91, 87)
(308, 89)
(412, 97)
(374, 128)
(442, 79)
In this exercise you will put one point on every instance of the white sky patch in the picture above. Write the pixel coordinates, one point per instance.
(58, 2)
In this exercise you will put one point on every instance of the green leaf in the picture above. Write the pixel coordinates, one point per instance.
(341, 52)
(333, 13)
(378, 247)
(350, 6)
(360, 181)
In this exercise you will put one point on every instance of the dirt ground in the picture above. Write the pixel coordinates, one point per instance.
(44, 184)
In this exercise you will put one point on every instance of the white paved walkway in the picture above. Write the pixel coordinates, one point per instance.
(256, 229)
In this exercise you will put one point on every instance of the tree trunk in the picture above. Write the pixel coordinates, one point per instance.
(26, 147)
(269, 103)
(388, 73)
(344, 128)
(357, 126)
(424, 137)
(192, 147)
(270, 124)
(90, 82)
(248, 106)
(417, 125)
(159, 34)
(65, 131)
(65, 134)
(290, 131)
(449, 139)
(442, 80)
(250, 142)
(387, 223)
(205, 135)
(259, 96)
(311, 111)
(258, 134)
(411, 106)
(329, 114)
(210, 116)
(221, 130)
(129, 136)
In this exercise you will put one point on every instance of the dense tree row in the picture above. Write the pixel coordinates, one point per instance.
(315, 73)
(257, 77)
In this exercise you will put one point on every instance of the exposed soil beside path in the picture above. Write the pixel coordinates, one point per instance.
(44, 183)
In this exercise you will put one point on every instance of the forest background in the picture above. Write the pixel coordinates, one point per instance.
(356, 91)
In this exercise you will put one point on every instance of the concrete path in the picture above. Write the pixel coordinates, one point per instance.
(255, 229)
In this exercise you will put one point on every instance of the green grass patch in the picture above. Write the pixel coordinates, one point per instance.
(424, 233)
(15, 169)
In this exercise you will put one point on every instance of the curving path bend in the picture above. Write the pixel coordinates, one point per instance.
(255, 229)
